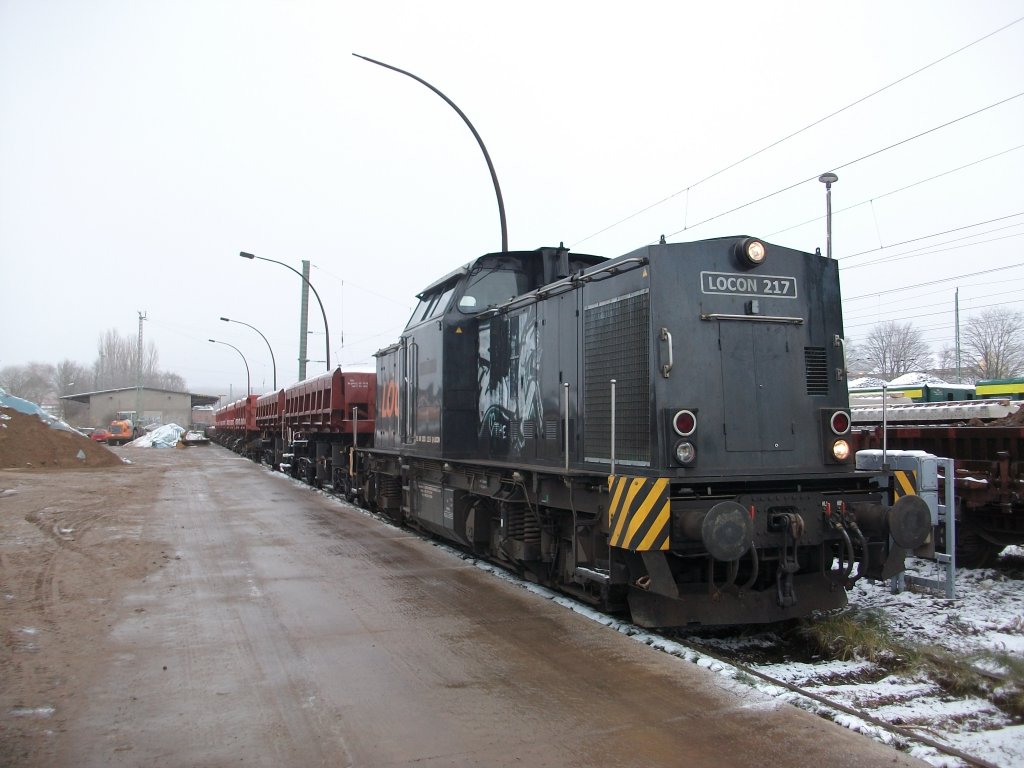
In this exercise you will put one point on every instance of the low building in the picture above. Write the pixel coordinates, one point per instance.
(159, 406)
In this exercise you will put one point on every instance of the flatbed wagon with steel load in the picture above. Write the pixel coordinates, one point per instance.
(985, 440)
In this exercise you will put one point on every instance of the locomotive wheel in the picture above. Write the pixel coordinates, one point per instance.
(347, 489)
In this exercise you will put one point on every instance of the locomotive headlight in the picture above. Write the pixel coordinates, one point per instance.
(752, 251)
(686, 454)
(841, 450)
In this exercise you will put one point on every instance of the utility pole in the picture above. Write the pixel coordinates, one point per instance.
(303, 319)
(956, 314)
(138, 374)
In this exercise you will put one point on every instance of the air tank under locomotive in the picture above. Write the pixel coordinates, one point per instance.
(664, 431)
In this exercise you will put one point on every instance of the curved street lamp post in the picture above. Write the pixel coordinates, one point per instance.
(327, 333)
(248, 381)
(272, 361)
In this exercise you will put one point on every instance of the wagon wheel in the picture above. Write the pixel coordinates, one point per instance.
(309, 474)
(972, 551)
(351, 490)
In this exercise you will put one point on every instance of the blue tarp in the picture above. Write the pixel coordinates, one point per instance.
(25, 406)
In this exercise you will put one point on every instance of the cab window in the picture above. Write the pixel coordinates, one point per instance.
(432, 305)
(492, 287)
(442, 302)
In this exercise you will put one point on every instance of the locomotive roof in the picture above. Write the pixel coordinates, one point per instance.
(465, 268)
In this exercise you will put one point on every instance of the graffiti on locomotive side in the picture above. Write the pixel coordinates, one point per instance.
(389, 400)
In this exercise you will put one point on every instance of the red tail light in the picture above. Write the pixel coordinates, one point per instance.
(684, 423)
(840, 422)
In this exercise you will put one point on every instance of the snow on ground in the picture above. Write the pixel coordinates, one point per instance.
(986, 615)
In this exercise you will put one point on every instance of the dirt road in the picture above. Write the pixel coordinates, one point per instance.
(194, 609)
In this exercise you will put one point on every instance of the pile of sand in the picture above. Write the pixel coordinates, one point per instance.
(27, 442)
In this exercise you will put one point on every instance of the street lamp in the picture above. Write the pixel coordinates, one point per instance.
(327, 333)
(248, 382)
(828, 179)
(272, 361)
(479, 141)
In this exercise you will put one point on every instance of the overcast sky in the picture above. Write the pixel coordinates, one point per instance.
(144, 144)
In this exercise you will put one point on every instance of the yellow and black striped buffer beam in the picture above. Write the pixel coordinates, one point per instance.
(639, 514)
(904, 484)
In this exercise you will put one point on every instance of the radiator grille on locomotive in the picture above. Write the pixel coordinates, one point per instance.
(816, 370)
(551, 428)
(616, 338)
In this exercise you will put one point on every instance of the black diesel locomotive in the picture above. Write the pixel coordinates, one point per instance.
(666, 431)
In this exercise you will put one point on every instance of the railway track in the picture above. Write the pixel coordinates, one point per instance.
(833, 705)
(743, 663)
(735, 665)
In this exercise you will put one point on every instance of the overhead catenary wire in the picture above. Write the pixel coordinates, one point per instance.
(936, 234)
(901, 311)
(343, 281)
(904, 316)
(849, 163)
(784, 139)
(932, 282)
(930, 250)
(836, 212)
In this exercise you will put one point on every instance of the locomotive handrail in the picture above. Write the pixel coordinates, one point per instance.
(613, 269)
(566, 284)
(566, 425)
(666, 335)
(752, 318)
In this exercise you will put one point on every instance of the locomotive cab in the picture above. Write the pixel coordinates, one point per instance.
(430, 380)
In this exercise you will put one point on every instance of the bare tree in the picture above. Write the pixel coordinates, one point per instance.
(994, 343)
(946, 358)
(115, 367)
(12, 379)
(946, 367)
(170, 381)
(118, 363)
(70, 377)
(33, 382)
(894, 349)
(857, 361)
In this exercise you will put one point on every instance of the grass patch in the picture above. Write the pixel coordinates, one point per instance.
(859, 634)
(853, 634)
